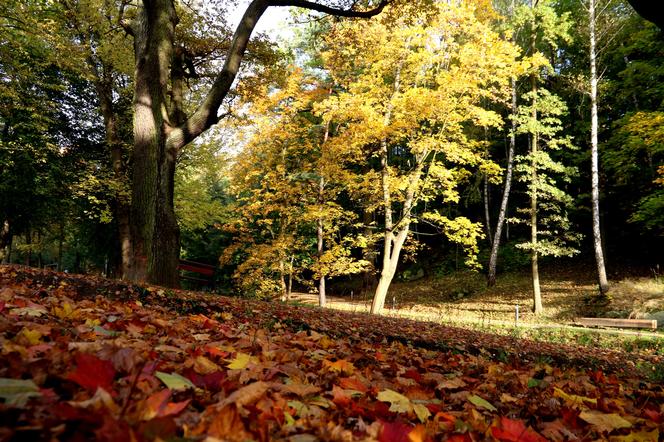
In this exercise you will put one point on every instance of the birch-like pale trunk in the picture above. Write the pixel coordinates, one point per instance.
(320, 224)
(594, 156)
(537, 294)
(290, 277)
(395, 233)
(389, 265)
(487, 214)
(502, 214)
(493, 258)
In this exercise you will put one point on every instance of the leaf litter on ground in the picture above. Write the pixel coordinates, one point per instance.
(89, 358)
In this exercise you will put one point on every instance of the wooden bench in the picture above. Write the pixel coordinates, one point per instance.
(622, 323)
(206, 271)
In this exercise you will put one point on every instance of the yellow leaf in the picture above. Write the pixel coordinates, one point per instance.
(32, 336)
(325, 343)
(640, 436)
(398, 402)
(573, 399)
(506, 398)
(240, 361)
(226, 316)
(604, 422)
(65, 312)
(422, 412)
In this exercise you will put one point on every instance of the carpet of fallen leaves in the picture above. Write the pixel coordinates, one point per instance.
(87, 358)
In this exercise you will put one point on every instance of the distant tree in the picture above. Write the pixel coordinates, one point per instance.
(539, 30)
(551, 232)
(286, 218)
(410, 91)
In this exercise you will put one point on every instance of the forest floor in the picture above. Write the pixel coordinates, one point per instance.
(463, 299)
(86, 357)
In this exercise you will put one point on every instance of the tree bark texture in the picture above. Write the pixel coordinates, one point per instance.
(161, 129)
(155, 232)
(594, 156)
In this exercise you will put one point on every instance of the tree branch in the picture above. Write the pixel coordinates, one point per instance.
(206, 115)
(332, 11)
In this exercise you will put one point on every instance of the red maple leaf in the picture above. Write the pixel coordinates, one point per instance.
(654, 415)
(395, 432)
(92, 373)
(511, 430)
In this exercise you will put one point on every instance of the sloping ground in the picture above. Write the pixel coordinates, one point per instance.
(87, 358)
(463, 297)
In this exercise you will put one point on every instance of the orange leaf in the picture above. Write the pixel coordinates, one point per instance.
(515, 431)
(157, 405)
(340, 366)
(353, 384)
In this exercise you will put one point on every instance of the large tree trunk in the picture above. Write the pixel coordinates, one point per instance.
(161, 129)
(493, 258)
(594, 157)
(155, 231)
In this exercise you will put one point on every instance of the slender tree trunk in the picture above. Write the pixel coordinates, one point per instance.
(594, 158)
(40, 249)
(391, 245)
(10, 249)
(104, 87)
(493, 259)
(487, 215)
(61, 240)
(395, 234)
(320, 225)
(5, 240)
(290, 277)
(28, 243)
(537, 295)
(282, 279)
(321, 280)
(534, 185)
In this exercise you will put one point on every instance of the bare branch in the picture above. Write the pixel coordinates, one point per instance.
(332, 11)
(206, 114)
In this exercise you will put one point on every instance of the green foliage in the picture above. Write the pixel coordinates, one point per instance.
(555, 234)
